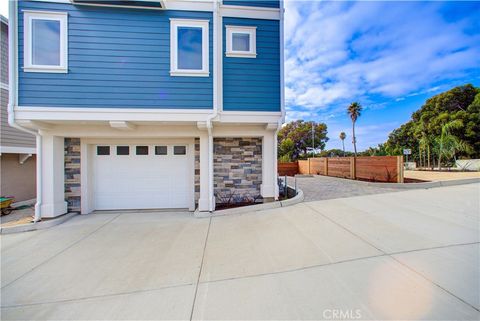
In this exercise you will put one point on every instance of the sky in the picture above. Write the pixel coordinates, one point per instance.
(388, 56)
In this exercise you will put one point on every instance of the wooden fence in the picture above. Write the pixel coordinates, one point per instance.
(288, 169)
(371, 168)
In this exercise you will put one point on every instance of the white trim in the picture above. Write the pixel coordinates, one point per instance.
(250, 12)
(174, 25)
(17, 150)
(116, 114)
(4, 86)
(251, 113)
(27, 114)
(252, 36)
(62, 18)
(199, 5)
(133, 110)
(186, 5)
(249, 117)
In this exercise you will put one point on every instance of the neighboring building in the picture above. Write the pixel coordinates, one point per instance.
(149, 104)
(17, 148)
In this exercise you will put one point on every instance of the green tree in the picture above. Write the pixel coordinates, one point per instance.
(342, 137)
(422, 133)
(300, 133)
(448, 145)
(286, 149)
(354, 111)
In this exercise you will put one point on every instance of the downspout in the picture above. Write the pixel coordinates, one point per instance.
(275, 158)
(215, 12)
(12, 101)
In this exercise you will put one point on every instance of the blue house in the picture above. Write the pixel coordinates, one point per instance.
(146, 104)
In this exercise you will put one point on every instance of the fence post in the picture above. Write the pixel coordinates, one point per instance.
(309, 171)
(326, 166)
(400, 169)
(353, 168)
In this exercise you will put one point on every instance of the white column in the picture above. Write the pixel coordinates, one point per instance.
(86, 178)
(268, 165)
(53, 172)
(203, 204)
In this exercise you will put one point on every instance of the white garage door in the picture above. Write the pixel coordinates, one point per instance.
(142, 177)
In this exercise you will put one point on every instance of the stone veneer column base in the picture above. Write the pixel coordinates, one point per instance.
(72, 174)
(237, 166)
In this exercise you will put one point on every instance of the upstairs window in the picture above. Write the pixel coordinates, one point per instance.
(189, 48)
(45, 41)
(241, 41)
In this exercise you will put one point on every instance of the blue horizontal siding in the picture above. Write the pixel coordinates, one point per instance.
(253, 84)
(254, 3)
(117, 57)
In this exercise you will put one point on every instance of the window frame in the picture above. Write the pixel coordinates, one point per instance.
(181, 146)
(251, 31)
(204, 25)
(28, 17)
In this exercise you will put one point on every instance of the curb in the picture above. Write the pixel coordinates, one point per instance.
(253, 208)
(36, 226)
(407, 186)
(425, 184)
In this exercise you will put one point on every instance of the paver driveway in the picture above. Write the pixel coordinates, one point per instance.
(319, 188)
(403, 255)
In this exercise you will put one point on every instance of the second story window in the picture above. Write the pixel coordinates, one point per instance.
(45, 42)
(189, 48)
(241, 41)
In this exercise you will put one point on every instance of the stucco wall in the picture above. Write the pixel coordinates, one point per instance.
(237, 168)
(17, 179)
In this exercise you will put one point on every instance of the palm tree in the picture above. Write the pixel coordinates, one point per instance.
(342, 137)
(354, 110)
(448, 144)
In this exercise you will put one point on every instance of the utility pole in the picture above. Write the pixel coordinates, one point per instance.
(313, 140)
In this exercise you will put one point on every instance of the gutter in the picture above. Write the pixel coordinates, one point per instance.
(12, 101)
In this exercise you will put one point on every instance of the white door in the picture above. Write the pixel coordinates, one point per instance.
(142, 177)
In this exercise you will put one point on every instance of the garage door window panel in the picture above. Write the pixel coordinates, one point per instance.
(161, 150)
(142, 150)
(123, 150)
(179, 150)
(103, 150)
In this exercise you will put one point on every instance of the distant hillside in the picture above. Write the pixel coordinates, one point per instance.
(457, 111)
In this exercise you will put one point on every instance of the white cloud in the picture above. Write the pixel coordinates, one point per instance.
(337, 52)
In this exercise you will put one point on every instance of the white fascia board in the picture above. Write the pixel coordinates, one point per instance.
(110, 114)
(250, 12)
(104, 131)
(249, 117)
(186, 5)
(17, 150)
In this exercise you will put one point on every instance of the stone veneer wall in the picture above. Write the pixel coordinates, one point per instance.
(197, 170)
(237, 167)
(72, 174)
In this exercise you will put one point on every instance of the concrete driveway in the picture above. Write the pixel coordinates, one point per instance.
(403, 255)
